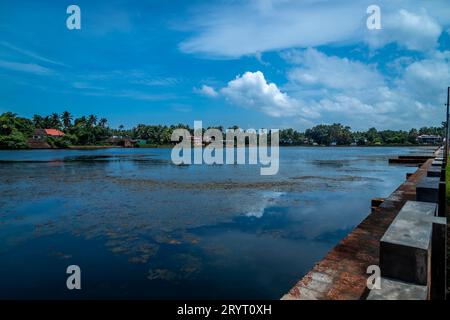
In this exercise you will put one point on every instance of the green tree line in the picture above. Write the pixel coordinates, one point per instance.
(91, 130)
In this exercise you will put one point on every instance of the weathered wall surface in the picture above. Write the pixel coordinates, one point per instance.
(341, 274)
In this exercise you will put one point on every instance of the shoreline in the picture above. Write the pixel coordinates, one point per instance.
(87, 148)
(342, 273)
(170, 146)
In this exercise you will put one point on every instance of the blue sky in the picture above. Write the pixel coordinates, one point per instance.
(265, 63)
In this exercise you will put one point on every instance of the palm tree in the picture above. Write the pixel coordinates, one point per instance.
(38, 121)
(66, 118)
(140, 131)
(121, 127)
(55, 122)
(102, 122)
(92, 120)
(80, 121)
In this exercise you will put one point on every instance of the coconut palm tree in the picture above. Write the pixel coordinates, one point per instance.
(80, 121)
(55, 122)
(102, 122)
(66, 118)
(38, 121)
(92, 120)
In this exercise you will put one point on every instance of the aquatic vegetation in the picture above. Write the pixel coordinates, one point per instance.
(184, 265)
(61, 255)
(331, 163)
(161, 274)
(151, 183)
(182, 224)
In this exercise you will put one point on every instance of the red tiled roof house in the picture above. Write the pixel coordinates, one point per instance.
(40, 134)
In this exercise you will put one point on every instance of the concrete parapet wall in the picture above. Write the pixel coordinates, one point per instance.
(341, 274)
(398, 290)
(427, 189)
(405, 248)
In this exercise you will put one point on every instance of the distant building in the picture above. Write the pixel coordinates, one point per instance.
(122, 142)
(208, 139)
(202, 141)
(39, 138)
(42, 134)
(429, 139)
(197, 141)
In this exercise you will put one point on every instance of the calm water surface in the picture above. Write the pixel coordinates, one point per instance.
(141, 227)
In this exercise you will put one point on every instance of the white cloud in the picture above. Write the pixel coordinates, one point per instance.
(414, 31)
(31, 54)
(233, 29)
(359, 95)
(156, 81)
(332, 89)
(25, 67)
(207, 91)
(236, 28)
(426, 79)
(407, 91)
(318, 69)
(251, 90)
(335, 87)
(344, 104)
(129, 94)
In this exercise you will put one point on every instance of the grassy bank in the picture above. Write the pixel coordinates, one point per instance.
(447, 186)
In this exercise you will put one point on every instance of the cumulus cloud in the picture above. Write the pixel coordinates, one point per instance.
(333, 89)
(207, 91)
(426, 78)
(233, 29)
(404, 89)
(252, 90)
(334, 85)
(414, 31)
(318, 69)
(352, 92)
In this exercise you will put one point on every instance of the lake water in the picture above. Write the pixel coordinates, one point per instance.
(140, 227)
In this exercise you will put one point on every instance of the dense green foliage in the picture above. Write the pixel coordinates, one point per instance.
(91, 131)
(14, 131)
(342, 135)
(328, 134)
